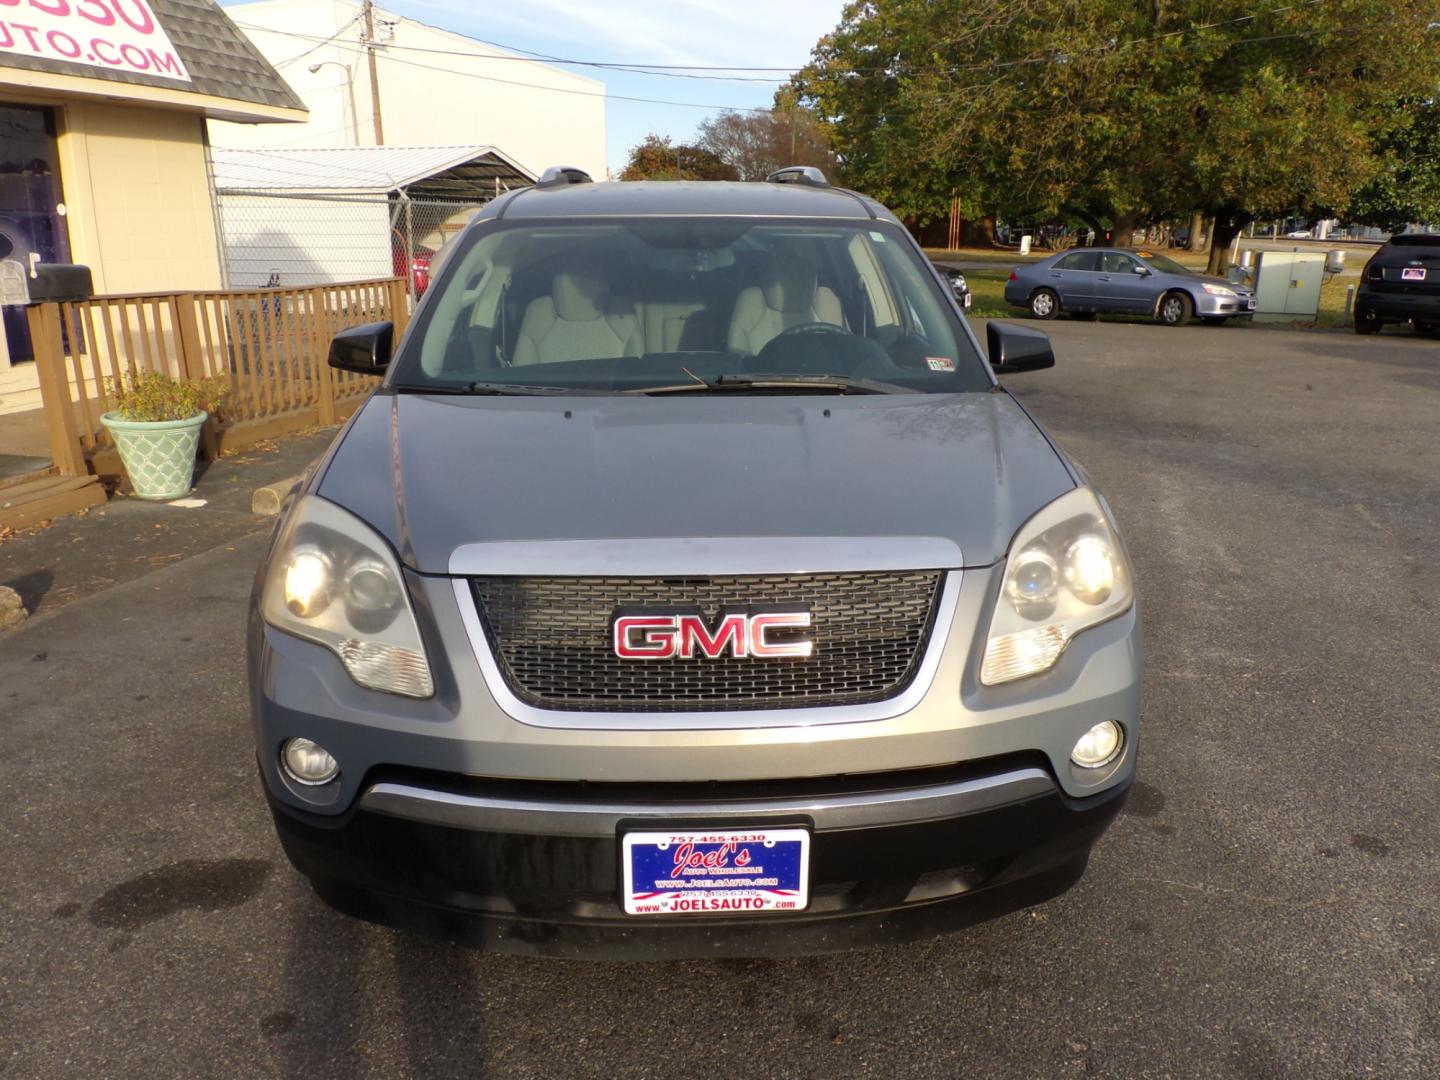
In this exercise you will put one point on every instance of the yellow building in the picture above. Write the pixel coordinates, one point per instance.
(104, 157)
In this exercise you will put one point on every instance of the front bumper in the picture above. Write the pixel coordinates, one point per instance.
(454, 815)
(534, 868)
(1231, 307)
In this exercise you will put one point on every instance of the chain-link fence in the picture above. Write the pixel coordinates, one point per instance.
(286, 240)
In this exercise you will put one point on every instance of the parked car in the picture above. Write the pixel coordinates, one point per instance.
(959, 287)
(1121, 280)
(416, 268)
(691, 586)
(1401, 283)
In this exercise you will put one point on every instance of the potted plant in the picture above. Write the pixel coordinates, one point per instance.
(156, 427)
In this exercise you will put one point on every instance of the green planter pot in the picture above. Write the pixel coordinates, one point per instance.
(159, 455)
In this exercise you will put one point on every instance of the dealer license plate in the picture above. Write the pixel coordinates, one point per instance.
(715, 872)
(1412, 273)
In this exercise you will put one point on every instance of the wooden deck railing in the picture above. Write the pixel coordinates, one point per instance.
(270, 345)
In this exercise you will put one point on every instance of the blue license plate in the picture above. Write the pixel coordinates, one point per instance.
(715, 872)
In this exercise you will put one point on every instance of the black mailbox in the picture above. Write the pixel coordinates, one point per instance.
(44, 281)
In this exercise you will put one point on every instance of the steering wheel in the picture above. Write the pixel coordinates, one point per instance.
(809, 328)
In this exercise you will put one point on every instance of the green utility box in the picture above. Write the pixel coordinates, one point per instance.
(1287, 285)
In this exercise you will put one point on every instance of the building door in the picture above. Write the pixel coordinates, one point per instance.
(32, 218)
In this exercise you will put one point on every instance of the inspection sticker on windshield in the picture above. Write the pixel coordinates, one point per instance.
(940, 363)
(715, 872)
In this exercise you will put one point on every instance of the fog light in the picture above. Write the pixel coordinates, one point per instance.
(308, 762)
(1098, 746)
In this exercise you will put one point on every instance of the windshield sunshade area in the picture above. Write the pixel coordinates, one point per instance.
(683, 305)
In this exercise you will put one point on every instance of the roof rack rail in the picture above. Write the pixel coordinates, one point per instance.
(562, 175)
(798, 174)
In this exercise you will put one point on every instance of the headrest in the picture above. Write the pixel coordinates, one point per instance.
(579, 297)
(790, 285)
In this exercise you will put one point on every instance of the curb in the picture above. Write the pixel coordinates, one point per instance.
(268, 499)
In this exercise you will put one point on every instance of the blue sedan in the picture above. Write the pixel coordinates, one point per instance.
(1112, 280)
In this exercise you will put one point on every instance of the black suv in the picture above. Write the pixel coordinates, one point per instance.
(1401, 283)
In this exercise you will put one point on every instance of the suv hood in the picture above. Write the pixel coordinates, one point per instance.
(433, 473)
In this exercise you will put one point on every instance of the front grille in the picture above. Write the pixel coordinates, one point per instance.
(551, 639)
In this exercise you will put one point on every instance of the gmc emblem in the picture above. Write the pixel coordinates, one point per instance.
(652, 636)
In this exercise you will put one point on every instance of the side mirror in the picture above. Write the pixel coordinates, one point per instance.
(1017, 348)
(1143, 271)
(365, 349)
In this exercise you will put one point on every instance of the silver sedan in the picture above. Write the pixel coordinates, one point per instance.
(1122, 281)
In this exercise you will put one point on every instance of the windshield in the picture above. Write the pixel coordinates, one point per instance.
(1162, 263)
(700, 305)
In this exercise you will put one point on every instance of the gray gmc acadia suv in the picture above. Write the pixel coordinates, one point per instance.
(690, 587)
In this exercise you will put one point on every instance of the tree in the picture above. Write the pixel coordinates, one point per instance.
(657, 159)
(1117, 110)
(758, 143)
(1407, 187)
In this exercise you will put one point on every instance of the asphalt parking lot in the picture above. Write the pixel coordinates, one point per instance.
(1268, 906)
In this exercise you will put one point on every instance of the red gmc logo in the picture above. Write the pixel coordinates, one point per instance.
(652, 636)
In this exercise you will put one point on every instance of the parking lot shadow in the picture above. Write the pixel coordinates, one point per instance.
(362, 999)
(32, 588)
(321, 1026)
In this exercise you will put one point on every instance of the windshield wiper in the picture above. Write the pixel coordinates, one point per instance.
(839, 384)
(504, 388)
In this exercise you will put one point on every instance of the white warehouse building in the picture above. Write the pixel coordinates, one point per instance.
(436, 88)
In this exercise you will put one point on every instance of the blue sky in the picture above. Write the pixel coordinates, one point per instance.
(743, 32)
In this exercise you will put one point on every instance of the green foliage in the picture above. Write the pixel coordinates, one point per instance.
(657, 159)
(1407, 187)
(150, 396)
(1118, 109)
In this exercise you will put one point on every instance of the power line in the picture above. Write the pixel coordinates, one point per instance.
(1050, 58)
(318, 43)
(530, 57)
(640, 67)
(566, 90)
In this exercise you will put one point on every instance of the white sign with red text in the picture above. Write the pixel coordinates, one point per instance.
(119, 35)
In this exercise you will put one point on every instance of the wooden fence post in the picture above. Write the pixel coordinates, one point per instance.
(187, 329)
(399, 307)
(49, 347)
(320, 344)
(192, 360)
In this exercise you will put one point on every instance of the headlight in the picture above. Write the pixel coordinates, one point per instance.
(1217, 290)
(333, 580)
(1066, 572)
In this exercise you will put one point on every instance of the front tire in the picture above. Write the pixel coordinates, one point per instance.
(1044, 304)
(1175, 309)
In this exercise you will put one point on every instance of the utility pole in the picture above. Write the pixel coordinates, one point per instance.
(368, 10)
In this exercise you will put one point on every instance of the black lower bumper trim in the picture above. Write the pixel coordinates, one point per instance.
(558, 895)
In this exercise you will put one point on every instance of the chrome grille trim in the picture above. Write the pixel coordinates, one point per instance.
(551, 639)
(730, 719)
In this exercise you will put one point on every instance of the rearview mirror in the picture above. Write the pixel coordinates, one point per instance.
(1017, 348)
(365, 349)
